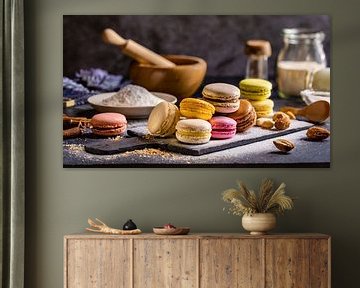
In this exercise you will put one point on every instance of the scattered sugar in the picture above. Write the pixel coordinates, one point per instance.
(132, 95)
(149, 152)
(75, 147)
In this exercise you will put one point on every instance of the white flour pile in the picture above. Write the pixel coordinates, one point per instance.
(132, 95)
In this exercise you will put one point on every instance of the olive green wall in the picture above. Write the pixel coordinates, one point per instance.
(60, 200)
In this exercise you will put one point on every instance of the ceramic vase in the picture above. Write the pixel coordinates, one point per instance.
(259, 223)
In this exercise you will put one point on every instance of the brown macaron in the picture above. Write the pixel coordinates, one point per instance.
(108, 124)
(224, 97)
(245, 116)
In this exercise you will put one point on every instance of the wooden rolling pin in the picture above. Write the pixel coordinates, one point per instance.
(135, 50)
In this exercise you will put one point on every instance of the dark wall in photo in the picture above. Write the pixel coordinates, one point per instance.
(217, 39)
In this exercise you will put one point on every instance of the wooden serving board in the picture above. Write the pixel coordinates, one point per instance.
(136, 141)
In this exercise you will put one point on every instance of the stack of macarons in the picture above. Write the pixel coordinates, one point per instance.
(221, 99)
(245, 116)
(224, 97)
(199, 124)
(258, 92)
(108, 124)
(195, 129)
(163, 119)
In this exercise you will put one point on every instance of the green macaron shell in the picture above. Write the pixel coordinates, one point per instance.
(252, 85)
(255, 89)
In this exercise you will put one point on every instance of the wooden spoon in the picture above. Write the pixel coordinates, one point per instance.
(318, 111)
(135, 50)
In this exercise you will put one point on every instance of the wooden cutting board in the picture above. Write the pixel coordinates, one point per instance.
(137, 141)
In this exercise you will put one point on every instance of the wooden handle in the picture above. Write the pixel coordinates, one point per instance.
(111, 37)
(135, 50)
(75, 120)
(295, 111)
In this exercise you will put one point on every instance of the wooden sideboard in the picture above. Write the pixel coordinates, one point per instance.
(197, 260)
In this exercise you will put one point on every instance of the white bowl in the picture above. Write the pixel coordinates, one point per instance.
(131, 112)
(310, 96)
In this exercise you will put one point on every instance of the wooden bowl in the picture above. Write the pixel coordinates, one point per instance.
(182, 80)
(171, 231)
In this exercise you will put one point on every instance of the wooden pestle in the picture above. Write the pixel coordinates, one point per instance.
(135, 50)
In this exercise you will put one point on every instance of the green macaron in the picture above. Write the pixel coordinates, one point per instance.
(255, 89)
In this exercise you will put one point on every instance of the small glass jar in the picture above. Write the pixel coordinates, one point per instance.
(302, 55)
(258, 52)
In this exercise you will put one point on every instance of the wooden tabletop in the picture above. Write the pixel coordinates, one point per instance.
(89, 235)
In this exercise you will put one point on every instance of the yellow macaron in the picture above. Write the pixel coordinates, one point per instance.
(196, 108)
(193, 131)
(255, 89)
(263, 108)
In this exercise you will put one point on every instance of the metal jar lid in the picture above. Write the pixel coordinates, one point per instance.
(303, 34)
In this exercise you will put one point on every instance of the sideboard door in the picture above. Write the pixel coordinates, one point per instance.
(287, 263)
(231, 263)
(170, 263)
(320, 262)
(99, 263)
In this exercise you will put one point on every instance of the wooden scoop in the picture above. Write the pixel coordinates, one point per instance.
(318, 111)
(135, 50)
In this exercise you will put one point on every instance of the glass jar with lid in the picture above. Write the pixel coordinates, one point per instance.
(258, 52)
(301, 56)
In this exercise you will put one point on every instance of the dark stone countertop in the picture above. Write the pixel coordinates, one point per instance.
(259, 154)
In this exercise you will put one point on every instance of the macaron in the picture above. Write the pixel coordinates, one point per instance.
(163, 119)
(222, 127)
(245, 116)
(321, 80)
(224, 97)
(263, 108)
(196, 108)
(108, 124)
(193, 131)
(255, 89)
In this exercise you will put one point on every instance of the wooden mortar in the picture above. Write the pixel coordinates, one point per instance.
(181, 80)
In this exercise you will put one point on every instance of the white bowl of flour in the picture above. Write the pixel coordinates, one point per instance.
(133, 101)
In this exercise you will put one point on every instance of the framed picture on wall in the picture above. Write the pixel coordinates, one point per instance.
(196, 91)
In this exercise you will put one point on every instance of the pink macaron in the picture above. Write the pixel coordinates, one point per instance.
(108, 124)
(222, 127)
